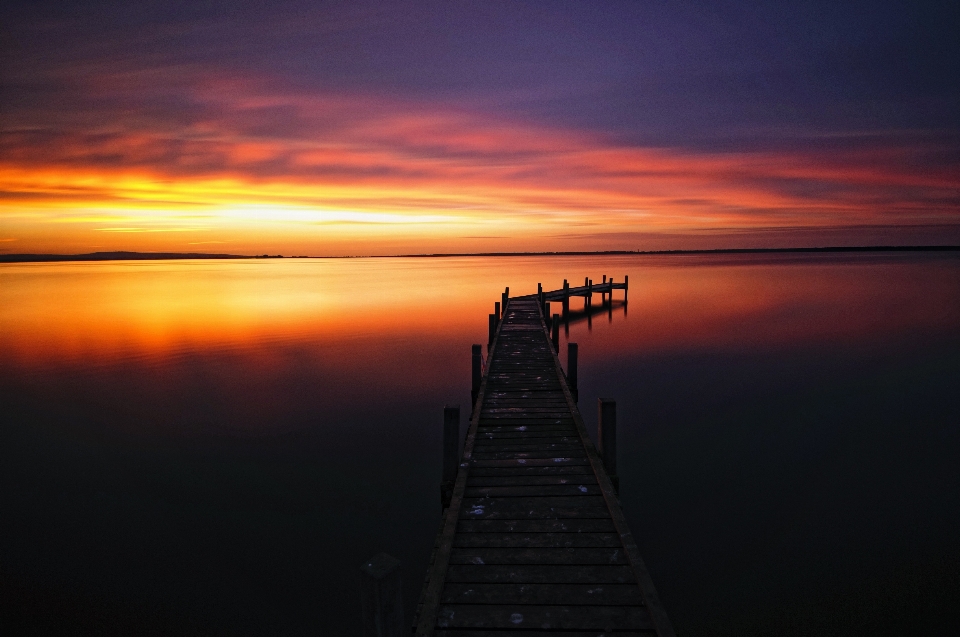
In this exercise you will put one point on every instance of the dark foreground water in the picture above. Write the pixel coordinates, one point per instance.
(215, 447)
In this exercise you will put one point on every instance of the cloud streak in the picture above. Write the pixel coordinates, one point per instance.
(241, 149)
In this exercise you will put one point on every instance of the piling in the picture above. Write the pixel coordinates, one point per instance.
(572, 369)
(477, 365)
(381, 598)
(607, 437)
(555, 333)
(451, 452)
(491, 328)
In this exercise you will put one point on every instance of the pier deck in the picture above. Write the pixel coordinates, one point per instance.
(534, 540)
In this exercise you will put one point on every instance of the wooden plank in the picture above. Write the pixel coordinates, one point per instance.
(537, 555)
(522, 470)
(530, 462)
(543, 594)
(561, 455)
(505, 433)
(517, 481)
(523, 513)
(531, 490)
(541, 574)
(601, 525)
(543, 617)
(532, 540)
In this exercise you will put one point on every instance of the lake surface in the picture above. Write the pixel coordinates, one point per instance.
(214, 447)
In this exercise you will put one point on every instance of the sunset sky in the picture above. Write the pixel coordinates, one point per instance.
(355, 128)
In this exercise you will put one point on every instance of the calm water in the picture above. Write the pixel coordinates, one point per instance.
(215, 447)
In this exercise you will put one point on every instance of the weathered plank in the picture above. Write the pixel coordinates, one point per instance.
(543, 594)
(516, 481)
(543, 617)
(537, 555)
(527, 540)
(541, 574)
(531, 490)
(597, 525)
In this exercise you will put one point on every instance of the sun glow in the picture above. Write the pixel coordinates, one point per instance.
(370, 176)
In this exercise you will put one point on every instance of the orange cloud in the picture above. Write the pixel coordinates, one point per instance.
(240, 159)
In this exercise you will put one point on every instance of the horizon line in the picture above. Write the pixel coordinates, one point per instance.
(123, 255)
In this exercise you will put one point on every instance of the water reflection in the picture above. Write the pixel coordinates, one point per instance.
(216, 446)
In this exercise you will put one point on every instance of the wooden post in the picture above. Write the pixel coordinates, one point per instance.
(540, 292)
(381, 598)
(572, 369)
(589, 285)
(491, 329)
(451, 452)
(496, 310)
(603, 295)
(477, 364)
(566, 297)
(626, 286)
(556, 333)
(607, 437)
(546, 310)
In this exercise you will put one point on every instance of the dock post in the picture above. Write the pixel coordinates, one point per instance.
(546, 310)
(589, 285)
(566, 297)
(381, 597)
(477, 364)
(451, 452)
(540, 292)
(491, 329)
(607, 437)
(505, 298)
(496, 310)
(572, 369)
(626, 285)
(555, 333)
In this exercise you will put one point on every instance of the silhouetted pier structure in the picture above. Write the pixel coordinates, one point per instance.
(533, 539)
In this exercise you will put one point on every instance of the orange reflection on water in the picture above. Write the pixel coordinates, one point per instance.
(96, 313)
(736, 303)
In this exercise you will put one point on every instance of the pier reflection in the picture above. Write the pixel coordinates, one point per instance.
(586, 313)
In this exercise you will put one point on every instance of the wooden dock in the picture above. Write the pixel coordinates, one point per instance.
(534, 541)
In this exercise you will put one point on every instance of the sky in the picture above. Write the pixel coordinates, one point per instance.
(372, 128)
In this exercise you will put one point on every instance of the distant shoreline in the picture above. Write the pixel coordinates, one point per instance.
(166, 256)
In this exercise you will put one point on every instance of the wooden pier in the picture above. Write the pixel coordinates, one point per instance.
(533, 540)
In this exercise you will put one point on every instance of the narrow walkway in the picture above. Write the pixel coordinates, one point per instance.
(534, 540)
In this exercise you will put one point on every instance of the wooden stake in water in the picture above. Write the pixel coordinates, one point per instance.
(572, 369)
(381, 598)
(607, 437)
(451, 452)
(555, 335)
(477, 365)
